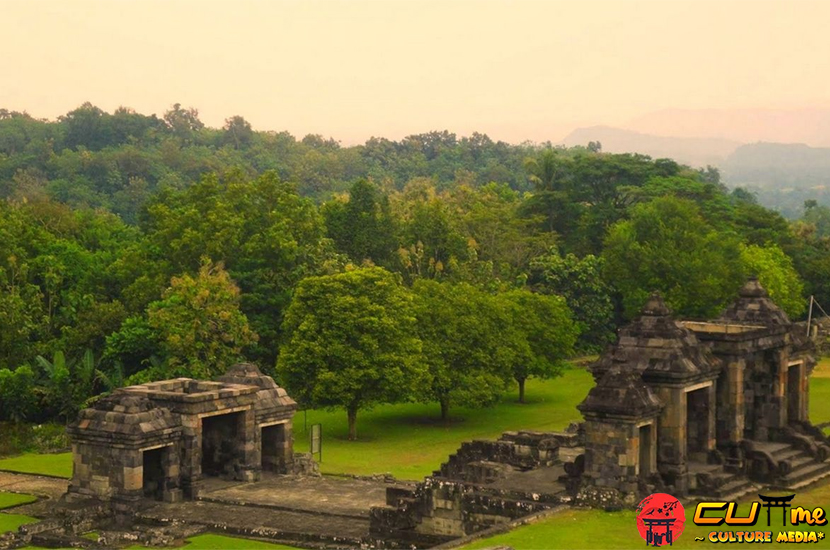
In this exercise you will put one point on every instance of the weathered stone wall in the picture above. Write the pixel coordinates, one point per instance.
(612, 452)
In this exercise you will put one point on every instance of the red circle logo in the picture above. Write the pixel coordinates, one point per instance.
(660, 519)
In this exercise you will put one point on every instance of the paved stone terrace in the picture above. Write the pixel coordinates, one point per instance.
(329, 511)
(328, 495)
(268, 523)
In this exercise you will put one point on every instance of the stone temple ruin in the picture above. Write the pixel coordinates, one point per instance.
(696, 409)
(700, 410)
(160, 440)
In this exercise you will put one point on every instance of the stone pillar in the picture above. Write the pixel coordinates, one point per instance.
(671, 437)
(781, 363)
(191, 466)
(172, 474)
(730, 419)
(249, 441)
(288, 446)
(132, 474)
(672, 426)
(712, 395)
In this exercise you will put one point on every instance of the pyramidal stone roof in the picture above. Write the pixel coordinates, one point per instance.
(270, 398)
(124, 415)
(754, 307)
(658, 347)
(621, 392)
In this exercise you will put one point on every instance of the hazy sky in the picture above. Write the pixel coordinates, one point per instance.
(352, 69)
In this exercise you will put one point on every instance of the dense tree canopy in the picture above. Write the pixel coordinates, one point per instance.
(105, 219)
(668, 246)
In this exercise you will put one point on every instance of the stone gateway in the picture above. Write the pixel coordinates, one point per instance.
(161, 440)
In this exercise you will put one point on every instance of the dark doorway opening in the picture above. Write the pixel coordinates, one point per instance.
(153, 477)
(221, 445)
(794, 393)
(273, 448)
(645, 450)
(697, 424)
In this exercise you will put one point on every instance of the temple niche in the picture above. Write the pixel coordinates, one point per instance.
(711, 407)
(159, 441)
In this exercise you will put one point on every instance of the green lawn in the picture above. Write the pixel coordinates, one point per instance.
(820, 393)
(7, 500)
(589, 529)
(10, 522)
(410, 441)
(59, 464)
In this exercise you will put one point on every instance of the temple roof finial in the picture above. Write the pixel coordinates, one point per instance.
(752, 289)
(655, 306)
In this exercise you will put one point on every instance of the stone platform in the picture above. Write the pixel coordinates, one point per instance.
(326, 496)
(324, 511)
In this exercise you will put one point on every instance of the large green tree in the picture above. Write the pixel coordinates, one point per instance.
(350, 342)
(776, 273)
(469, 344)
(666, 245)
(363, 227)
(580, 281)
(542, 333)
(265, 234)
(199, 323)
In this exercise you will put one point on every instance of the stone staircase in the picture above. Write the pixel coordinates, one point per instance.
(787, 466)
(714, 482)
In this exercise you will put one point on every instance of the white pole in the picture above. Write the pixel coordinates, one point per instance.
(810, 316)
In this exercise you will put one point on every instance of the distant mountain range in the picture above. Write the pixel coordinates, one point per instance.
(762, 165)
(809, 126)
(688, 150)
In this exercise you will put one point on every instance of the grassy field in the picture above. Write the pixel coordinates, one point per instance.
(7, 500)
(59, 464)
(10, 522)
(410, 441)
(820, 393)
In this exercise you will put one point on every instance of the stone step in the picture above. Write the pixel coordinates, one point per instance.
(807, 472)
(802, 461)
(728, 492)
(772, 447)
(789, 454)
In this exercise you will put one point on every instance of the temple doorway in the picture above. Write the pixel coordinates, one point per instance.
(794, 392)
(221, 444)
(645, 450)
(153, 473)
(273, 448)
(697, 424)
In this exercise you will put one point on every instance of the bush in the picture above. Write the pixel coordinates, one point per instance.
(18, 401)
(19, 438)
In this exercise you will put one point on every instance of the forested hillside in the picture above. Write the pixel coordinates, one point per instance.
(134, 247)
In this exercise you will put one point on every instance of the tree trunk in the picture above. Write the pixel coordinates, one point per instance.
(445, 408)
(521, 382)
(352, 412)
